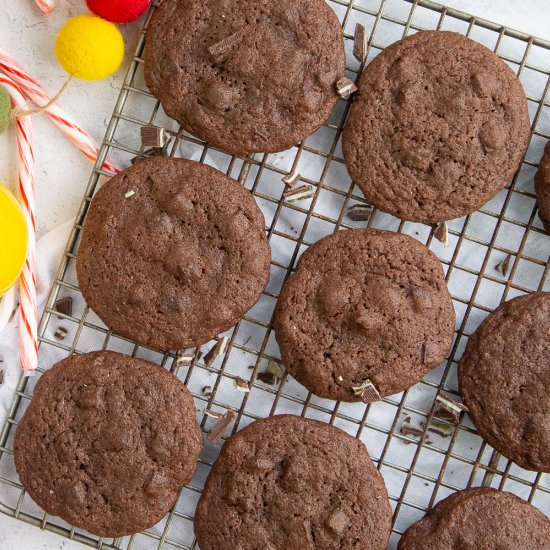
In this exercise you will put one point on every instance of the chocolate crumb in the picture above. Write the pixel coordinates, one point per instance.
(217, 51)
(216, 351)
(274, 368)
(1, 377)
(360, 212)
(292, 179)
(299, 193)
(267, 378)
(64, 306)
(219, 428)
(440, 428)
(367, 391)
(345, 87)
(337, 522)
(61, 333)
(504, 265)
(442, 233)
(12, 315)
(240, 384)
(153, 136)
(207, 391)
(184, 359)
(360, 43)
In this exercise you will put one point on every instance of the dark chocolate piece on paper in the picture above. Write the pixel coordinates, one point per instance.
(64, 306)
(221, 426)
(360, 43)
(153, 136)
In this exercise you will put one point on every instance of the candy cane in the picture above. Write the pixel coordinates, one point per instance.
(46, 6)
(68, 126)
(27, 291)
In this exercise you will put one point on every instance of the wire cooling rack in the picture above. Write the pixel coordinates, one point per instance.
(418, 470)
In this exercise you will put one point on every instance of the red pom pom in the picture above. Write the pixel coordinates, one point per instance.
(118, 11)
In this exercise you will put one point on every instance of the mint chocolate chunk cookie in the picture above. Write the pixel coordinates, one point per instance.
(542, 187)
(438, 127)
(479, 519)
(504, 379)
(246, 76)
(366, 314)
(107, 442)
(295, 484)
(173, 253)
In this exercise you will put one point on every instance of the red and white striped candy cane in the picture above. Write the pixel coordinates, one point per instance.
(68, 126)
(27, 290)
(46, 6)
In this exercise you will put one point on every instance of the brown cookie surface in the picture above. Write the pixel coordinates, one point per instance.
(292, 483)
(107, 442)
(246, 76)
(364, 305)
(479, 519)
(542, 187)
(439, 125)
(504, 379)
(173, 253)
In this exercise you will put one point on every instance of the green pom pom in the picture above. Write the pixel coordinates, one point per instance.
(5, 109)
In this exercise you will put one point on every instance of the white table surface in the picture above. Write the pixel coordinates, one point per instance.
(62, 172)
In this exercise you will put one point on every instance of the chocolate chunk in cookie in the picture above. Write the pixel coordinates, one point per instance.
(246, 76)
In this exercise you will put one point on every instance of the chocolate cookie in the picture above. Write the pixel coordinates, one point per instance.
(173, 253)
(439, 125)
(107, 442)
(364, 305)
(287, 482)
(504, 379)
(542, 187)
(479, 519)
(246, 76)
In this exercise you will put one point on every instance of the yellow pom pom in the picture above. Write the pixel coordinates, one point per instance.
(89, 47)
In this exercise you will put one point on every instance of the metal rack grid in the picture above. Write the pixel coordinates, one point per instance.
(418, 471)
